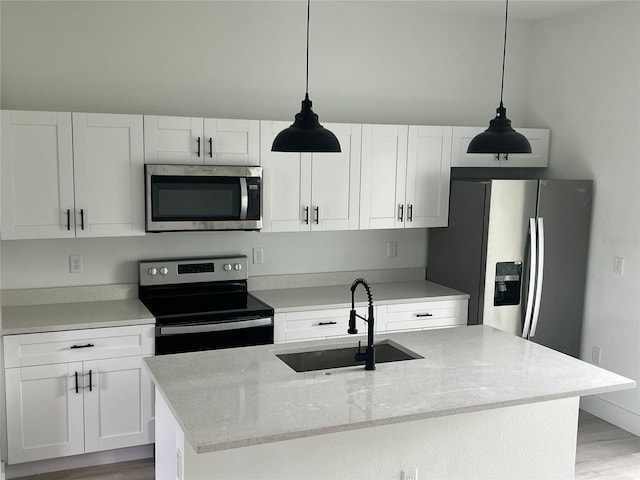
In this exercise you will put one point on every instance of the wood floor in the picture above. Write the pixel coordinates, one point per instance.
(605, 452)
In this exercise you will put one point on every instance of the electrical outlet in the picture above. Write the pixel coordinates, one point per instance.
(75, 264)
(409, 474)
(392, 249)
(618, 265)
(258, 255)
(596, 355)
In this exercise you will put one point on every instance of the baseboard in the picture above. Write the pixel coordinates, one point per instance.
(78, 461)
(612, 413)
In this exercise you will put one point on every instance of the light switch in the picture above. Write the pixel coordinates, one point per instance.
(618, 266)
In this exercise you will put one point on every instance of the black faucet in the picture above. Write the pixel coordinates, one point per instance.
(369, 356)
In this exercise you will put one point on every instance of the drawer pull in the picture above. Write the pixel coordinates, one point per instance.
(83, 346)
(424, 315)
(328, 323)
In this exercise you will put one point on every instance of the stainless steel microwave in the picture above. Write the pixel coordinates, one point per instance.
(202, 197)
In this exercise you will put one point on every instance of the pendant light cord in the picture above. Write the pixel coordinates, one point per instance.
(307, 76)
(504, 48)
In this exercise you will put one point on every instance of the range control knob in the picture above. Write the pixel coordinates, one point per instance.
(152, 271)
(237, 267)
(164, 271)
(227, 267)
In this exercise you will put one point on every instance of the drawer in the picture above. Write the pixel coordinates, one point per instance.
(77, 345)
(316, 324)
(418, 316)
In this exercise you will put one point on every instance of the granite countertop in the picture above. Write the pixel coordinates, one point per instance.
(225, 399)
(74, 316)
(338, 296)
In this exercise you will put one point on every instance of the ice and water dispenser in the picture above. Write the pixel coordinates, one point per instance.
(508, 283)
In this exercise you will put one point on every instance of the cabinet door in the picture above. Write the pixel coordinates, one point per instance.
(109, 176)
(44, 412)
(286, 176)
(172, 140)
(335, 182)
(382, 184)
(539, 156)
(37, 175)
(428, 174)
(118, 404)
(231, 142)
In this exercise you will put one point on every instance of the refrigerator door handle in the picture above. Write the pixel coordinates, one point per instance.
(532, 277)
(536, 307)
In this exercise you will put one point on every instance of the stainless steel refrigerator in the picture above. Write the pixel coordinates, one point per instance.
(519, 248)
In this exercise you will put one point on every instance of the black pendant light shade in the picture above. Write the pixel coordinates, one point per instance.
(306, 134)
(500, 137)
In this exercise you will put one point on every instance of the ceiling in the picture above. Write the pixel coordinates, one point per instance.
(528, 10)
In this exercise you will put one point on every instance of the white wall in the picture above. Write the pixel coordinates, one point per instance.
(371, 61)
(585, 84)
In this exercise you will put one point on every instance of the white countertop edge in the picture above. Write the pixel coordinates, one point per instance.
(76, 326)
(391, 420)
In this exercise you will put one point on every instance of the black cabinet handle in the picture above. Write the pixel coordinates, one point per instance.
(90, 382)
(306, 215)
(76, 382)
(210, 147)
(424, 315)
(68, 219)
(317, 219)
(410, 213)
(198, 147)
(82, 219)
(401, 212)
(327, 323)
(83, 346)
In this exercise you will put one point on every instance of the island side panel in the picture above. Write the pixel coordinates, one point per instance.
(530, 441)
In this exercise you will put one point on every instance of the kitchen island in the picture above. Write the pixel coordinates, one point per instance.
(480, 403)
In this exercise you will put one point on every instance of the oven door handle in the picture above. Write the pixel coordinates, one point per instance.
(165, 330)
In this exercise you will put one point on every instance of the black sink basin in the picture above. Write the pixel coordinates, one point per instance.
(337, 357)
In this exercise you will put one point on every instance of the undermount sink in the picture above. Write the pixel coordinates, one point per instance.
(337, 356)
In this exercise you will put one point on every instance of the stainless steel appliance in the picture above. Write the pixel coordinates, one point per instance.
(519, 248)
(202, 197)
(203, 304)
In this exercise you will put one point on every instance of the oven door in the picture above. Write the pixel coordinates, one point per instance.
(199, 197)
(193, 337)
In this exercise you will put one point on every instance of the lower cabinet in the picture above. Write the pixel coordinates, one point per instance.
(423, 315)
(333, 322)
(96, 400)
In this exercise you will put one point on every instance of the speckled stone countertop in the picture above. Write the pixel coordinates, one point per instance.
(338, 296)
(225, 399)
(74, 316)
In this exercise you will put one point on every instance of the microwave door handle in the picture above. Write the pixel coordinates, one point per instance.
(244, 198)
(532, 277)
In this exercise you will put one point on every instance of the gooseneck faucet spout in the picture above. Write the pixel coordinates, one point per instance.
(369, 356)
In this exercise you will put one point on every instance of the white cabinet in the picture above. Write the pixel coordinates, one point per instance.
(178, 140)
(539, 156)
(422, 315)
(311, 191)
(77, 391)
(71, 175)
(316, 324)
(405, 176)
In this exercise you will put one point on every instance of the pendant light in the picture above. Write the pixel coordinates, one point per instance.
(306, 134)
(500, 137)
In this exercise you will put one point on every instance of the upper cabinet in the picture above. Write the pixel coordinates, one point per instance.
(177, 140)
(71, 175)
(539, 156)
(311, 191)
(405, 176)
